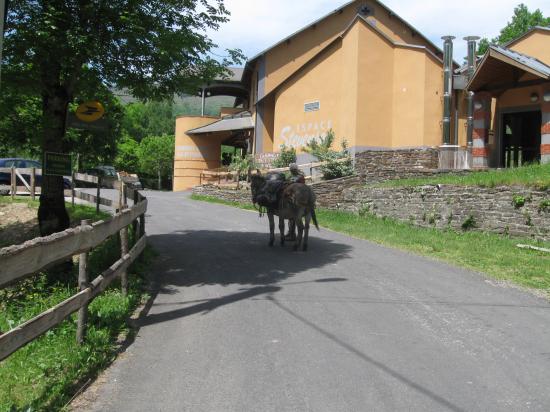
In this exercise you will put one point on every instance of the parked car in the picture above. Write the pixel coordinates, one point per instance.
(109, 175)
(19, 163)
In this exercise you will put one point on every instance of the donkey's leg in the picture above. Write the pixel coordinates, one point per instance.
(282, 230)
(307, 218)
(271, 228)
(300, 225)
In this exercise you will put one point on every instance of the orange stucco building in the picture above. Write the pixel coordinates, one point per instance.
(373, 79)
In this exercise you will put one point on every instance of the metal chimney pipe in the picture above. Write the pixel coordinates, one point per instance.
(447, 87)
(472, 62)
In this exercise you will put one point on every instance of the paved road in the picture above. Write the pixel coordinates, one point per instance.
(347, 326)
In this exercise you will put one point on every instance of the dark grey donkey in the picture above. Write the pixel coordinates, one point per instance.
(288, 201)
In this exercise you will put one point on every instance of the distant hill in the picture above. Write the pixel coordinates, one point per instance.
(189, 105)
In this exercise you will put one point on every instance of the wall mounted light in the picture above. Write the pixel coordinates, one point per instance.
(546, 96)
(534, 97)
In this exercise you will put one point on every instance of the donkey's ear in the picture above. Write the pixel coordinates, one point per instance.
(258, 171)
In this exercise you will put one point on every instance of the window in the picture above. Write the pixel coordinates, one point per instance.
(312, 106)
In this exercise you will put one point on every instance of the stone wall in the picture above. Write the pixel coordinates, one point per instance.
(232, 195)
(397, 163)
(518, 211)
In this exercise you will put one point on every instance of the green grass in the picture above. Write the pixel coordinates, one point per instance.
(537, 176)
(492, 254)
(46, 373)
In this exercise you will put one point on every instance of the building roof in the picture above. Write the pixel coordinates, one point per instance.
(499, 68)
(358, 18)
(235, 75)
(239, 121)
(525, 60)
(336, 11)
(527, 33)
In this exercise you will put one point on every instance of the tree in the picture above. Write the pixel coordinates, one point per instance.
(156, 156)
(152, 48)
(337, 163)
(127, 158)
(148, 119)
(522, 21)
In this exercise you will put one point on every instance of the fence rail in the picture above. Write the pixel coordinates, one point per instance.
(20, 261)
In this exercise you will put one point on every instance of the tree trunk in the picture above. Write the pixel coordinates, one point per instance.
(52, 215)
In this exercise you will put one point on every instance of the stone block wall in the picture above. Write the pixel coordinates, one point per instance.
(388, 164)
(231, 195)
(518, 211)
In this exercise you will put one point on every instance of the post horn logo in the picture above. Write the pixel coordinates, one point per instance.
(90, 111)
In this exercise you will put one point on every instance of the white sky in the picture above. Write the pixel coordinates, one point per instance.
(258, 24)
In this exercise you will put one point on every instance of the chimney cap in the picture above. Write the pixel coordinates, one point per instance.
(450, 38)
(472, 38)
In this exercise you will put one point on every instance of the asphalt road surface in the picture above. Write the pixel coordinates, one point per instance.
(347, 326)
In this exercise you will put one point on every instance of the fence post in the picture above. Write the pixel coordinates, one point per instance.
(33, 182)
(98, 194)
(13, 183)
(72, 188)
(142, 225)
(82, 284)
(120, 189)
(135, 222)
(123, 251)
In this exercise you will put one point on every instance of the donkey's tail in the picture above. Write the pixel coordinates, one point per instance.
(314, 218)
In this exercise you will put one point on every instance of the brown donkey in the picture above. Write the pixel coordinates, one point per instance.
(294, 201)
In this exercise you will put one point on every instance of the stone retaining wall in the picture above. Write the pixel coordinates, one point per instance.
(230, 195)
(518, 211)
(498, 210)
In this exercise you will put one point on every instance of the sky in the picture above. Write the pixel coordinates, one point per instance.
(256, 25)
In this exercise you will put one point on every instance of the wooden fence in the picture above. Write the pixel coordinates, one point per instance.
(20, 261)
(28, 178)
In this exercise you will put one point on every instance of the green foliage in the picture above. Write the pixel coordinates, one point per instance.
(338, 163)
(469, 223)
(156, 156)
(127, 158)
(522, 21)
(152, 49)
(364, 210)
(285, 157)
(544, 205)
(242, 165)
(518, 201)
(148, 119)
(45, 374)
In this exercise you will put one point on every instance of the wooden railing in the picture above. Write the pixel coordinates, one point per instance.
(20, 261)
(223, 173)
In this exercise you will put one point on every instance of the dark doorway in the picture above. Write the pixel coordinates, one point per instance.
(520, 138)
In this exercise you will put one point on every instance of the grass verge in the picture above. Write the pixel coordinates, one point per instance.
(45, 374)
(536, 176)
(492, 254)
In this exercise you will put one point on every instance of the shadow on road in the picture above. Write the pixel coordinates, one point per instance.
(205, 257)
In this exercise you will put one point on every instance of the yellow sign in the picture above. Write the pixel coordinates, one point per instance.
(90, 111)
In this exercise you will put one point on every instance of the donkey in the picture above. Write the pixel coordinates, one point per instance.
(294, 201)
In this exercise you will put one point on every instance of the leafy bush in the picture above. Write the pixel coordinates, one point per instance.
(518, 201)
(286, 157)
(338, 163)
(242, 165)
